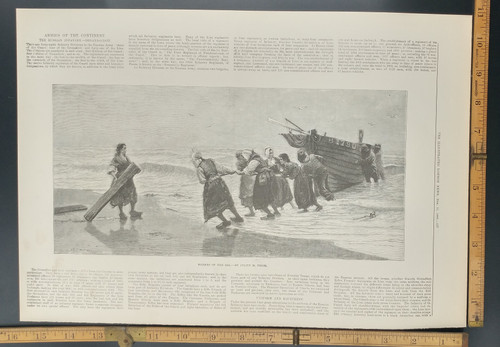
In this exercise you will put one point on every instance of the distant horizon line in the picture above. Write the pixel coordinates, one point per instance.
(73, 147)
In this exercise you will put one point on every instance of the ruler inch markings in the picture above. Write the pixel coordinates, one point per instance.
(219, 335)
(126, 336)
(477, 177)
(385, 338)
(52, 334)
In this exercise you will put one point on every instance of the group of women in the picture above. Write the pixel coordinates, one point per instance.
(264, 184)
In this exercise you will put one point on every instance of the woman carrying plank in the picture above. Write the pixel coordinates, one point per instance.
(127, 193)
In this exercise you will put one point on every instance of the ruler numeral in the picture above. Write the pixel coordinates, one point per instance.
(41, 336)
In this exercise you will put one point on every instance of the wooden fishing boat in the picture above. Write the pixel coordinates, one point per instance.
(341, 158)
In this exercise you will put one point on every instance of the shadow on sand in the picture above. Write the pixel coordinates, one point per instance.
(235, 243)
(122, 241)
(164, 233)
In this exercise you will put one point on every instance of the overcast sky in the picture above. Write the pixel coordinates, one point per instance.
(200, 117)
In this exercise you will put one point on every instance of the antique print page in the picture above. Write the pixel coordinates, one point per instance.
(243, 168)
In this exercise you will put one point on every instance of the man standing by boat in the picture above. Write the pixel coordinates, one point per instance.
(377, 150)
(368, 164)
(314, 168)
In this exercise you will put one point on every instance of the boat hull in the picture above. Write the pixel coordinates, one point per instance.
(340, 157)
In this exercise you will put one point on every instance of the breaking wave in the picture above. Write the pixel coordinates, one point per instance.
(377, 207)
(166, 169)
(393, 169)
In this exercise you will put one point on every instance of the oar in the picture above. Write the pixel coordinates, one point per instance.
(289, 121)
(286, 126)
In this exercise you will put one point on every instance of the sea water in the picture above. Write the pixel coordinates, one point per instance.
(367, 217)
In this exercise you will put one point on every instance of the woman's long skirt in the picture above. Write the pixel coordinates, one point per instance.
(126, 195)
(216, 198)
(282, 193)
(303, 191)
(262, 192)
(321, 183)
(246, 190)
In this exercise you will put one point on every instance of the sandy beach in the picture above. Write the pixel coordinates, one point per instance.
(162, 232)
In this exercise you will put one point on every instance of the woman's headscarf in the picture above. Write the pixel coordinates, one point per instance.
(242, 158)
(245, 153)
(196, 158)
(266, 151)
(301, 155)
(270, 161)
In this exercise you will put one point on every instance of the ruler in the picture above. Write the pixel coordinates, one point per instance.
(381, 338)
(126, 336)
(214, 335)
(477, 185)
(52, 334)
